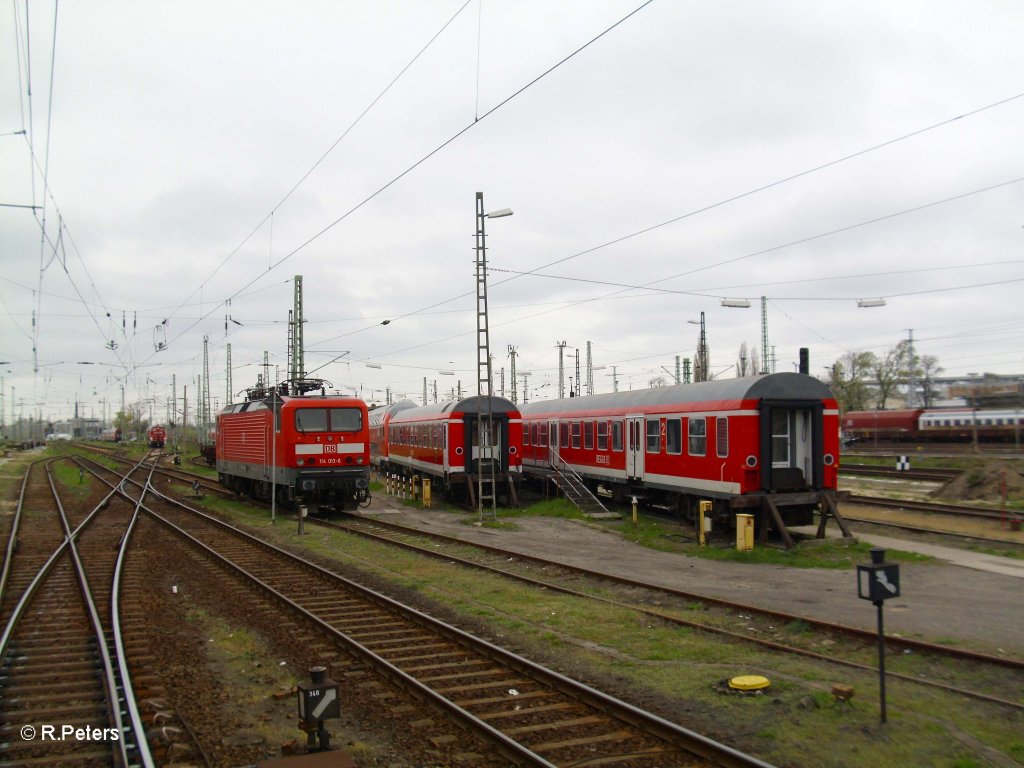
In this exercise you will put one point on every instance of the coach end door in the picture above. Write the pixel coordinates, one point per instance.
(791, 439)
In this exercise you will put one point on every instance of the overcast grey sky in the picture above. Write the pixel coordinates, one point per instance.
(802, 151)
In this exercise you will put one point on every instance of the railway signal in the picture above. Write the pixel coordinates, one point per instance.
(318, 701)
(878, 582)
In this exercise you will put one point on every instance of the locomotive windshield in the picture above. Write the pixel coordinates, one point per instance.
(328, 420)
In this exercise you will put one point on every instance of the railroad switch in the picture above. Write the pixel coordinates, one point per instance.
(317, 701)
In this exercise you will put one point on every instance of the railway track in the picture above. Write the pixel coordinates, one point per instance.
(198, 483)
(938, 475)
(758, 622)
(526, 713)
(64, 687)
(961, 510)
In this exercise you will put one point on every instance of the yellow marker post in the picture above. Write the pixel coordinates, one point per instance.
(634, 510)
(426, 492)
(744, 533)
(704, 522)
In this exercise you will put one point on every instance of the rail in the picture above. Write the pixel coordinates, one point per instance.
(644, 722)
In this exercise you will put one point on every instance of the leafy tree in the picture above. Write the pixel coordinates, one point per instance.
(848, 380)
(131, 422)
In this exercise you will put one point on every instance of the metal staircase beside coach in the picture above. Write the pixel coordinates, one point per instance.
(573, 488)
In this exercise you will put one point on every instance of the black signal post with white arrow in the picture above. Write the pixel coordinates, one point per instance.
(318, 701)
(879, 582)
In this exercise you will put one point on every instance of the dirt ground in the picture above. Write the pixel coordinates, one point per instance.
(939, 601)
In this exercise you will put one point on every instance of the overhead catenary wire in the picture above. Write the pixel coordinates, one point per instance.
(430, 154)
(281, 229)
(726, 201)
(270, 216)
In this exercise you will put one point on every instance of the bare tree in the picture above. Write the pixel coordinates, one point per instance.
(889, 372)
(656, 381)
(742, 362)
(928, 370)
(749, 361)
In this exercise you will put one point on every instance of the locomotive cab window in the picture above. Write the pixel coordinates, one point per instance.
(311, 419)
(346, 419)
(697, 433)
(328, 420)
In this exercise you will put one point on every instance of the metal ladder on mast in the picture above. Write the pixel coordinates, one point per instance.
(485, 423)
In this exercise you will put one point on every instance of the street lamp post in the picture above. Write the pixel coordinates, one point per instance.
(483, 359)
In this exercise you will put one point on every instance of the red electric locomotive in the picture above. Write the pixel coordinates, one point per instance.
(157, 436)
(746, 444)
(316, 452)
(442, 440)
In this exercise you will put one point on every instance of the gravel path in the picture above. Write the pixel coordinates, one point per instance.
(939, 601)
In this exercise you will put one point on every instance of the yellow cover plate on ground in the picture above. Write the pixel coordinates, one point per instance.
(749, 682)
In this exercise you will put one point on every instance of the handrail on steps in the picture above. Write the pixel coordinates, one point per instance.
(578, 479)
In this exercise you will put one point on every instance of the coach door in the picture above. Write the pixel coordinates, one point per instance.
(553, 455)
(635, 447)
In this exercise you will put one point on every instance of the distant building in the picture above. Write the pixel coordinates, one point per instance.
(989, 390)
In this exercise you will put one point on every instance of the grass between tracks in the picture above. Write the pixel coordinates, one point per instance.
(679, 672)
(669, 536)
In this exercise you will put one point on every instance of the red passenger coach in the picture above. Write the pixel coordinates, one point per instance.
(746, 444)
(317, 453)
(442, 440)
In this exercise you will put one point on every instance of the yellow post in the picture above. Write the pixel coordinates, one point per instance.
(744, 533)
(634, 510)
(426, 492)
(704, 522)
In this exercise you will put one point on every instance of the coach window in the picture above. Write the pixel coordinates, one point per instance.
(311, 419)
(653, 435)
(602, 435)
(574, 430)
(543, 430)
(673, 436)
(697, 431)
(616, 435)
(588, 435)
(722, 437)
